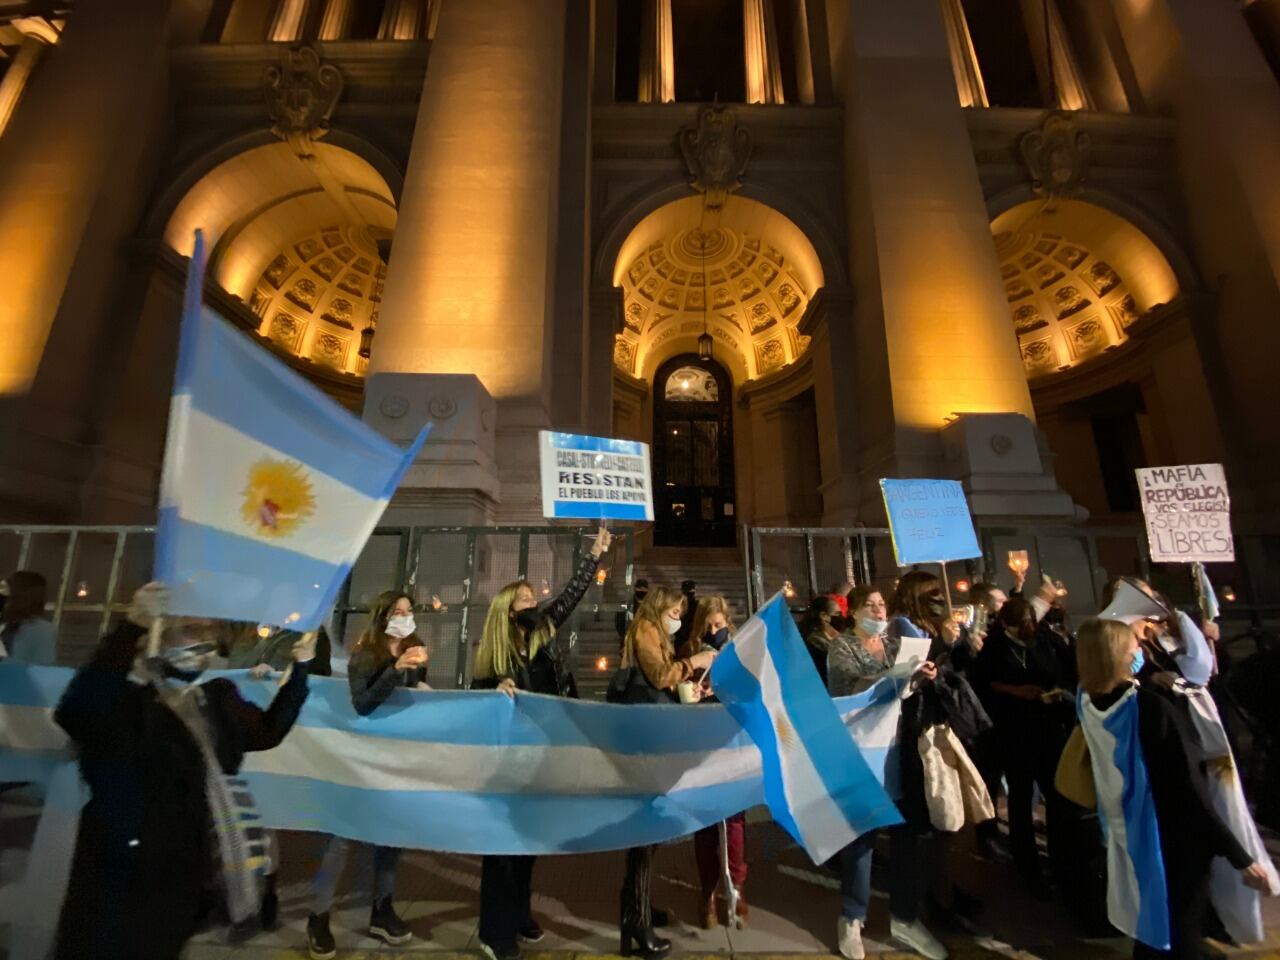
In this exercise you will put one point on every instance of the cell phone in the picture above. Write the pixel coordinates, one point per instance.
(980, 619)
(963, 615)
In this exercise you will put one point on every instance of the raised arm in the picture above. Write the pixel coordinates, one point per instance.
(559, 609)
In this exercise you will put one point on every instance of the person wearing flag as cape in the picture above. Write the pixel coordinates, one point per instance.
(1163, 832)
(156, 750)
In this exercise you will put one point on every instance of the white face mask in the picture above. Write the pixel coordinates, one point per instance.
(401, 625)
(671, 623)
(873, 626)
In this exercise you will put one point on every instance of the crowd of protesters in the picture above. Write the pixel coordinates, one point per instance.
(1001, 692)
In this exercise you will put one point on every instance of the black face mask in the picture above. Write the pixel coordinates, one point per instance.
(528, 619)
(935, 606)
(716, 640)
(839, 623)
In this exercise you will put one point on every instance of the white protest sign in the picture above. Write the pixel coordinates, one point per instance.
(594, 478)
(1188, 513)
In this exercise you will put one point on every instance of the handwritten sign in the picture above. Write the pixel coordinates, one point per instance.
(1188, 513)
(594, 478)
(929, 521)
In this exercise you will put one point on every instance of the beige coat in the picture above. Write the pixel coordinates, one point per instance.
(654, 654)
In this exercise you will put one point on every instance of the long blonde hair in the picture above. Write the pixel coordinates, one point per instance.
(656, 603)
(1102, 655)
(499, 651)
(707, 607)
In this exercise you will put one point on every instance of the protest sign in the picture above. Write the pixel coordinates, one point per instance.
(1188, 513)
(929, 521)
(594, 478)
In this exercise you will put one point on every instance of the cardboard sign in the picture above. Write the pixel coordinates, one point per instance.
(929, 521)
(1188, 513)
(594, 478)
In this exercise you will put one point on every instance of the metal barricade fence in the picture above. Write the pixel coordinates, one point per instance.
(807, 561)
(452, 573)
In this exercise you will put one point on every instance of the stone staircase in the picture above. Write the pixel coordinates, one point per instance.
(715, 570)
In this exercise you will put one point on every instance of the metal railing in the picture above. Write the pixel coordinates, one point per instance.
(452, 573)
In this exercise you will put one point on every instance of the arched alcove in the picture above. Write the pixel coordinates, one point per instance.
(1077, 277)
(301, 242)
(743, 274)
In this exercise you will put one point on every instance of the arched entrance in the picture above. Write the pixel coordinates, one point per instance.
(693, 453)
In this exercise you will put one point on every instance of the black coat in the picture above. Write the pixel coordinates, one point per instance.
(547, 672)
(144, 854)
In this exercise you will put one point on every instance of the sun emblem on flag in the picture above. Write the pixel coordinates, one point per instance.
(786, 733)
(277, 498)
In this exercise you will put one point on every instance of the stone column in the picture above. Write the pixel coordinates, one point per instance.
(336, 20)
(964, 59)
(657, 54)
(604, 326)
(1055, 60)
(830, 321)
(289, 19)
(1199, 62)
(468, 292)
(760, 50)
(37, 34)
(404, 20)
(78, 165)
(931, 323)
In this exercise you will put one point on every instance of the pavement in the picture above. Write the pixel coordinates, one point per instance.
(793, 906)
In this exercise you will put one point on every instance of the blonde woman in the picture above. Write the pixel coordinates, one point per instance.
(518, 652)
(649, 648)
(1163, 832)
(713, 627)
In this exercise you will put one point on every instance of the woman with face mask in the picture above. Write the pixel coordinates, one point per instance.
(155, 750)
(1025, 692)
(387, 656)
(855, 660)
(518, 652)
(712, 629)
(649, 647)
(1163, 830)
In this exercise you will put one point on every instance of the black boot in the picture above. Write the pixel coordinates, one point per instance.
(320, 945)
(646, 943)
(386, 926)
(269, 911)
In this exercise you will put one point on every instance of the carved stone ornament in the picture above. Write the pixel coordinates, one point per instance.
(442, 408)
(1057, 157)
(393, 406)
(716, 151)
(301, 93)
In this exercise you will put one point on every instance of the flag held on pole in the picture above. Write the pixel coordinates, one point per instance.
(817, 784)
(270, 488)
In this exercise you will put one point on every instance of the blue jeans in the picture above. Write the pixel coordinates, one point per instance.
(904, 875)
(324, 885)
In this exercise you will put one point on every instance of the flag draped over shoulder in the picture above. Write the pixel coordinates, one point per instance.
(270, 488)
(817, 783)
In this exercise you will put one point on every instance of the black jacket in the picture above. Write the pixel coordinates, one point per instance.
(144, 855)
(547, 672)
(372, 678)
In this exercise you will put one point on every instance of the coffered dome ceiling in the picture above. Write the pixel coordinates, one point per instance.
(1076, 278)
(748, 270)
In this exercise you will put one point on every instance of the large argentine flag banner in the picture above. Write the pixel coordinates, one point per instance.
(817, 783)
(470, 772)
(270, 489)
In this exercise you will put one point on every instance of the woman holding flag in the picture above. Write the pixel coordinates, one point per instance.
(1164, 833)
(387, 656)
(518, 652)
(156, 750)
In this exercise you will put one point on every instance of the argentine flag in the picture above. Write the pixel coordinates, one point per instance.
(270, 489)
(817, 784)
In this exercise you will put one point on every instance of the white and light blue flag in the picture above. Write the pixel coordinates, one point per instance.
(1137, 895)
(817, 783)
(270, 488)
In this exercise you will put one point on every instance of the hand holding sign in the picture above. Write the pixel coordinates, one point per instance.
(603, 540)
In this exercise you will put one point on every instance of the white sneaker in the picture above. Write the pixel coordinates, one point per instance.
(916, 936)
(849, 939)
